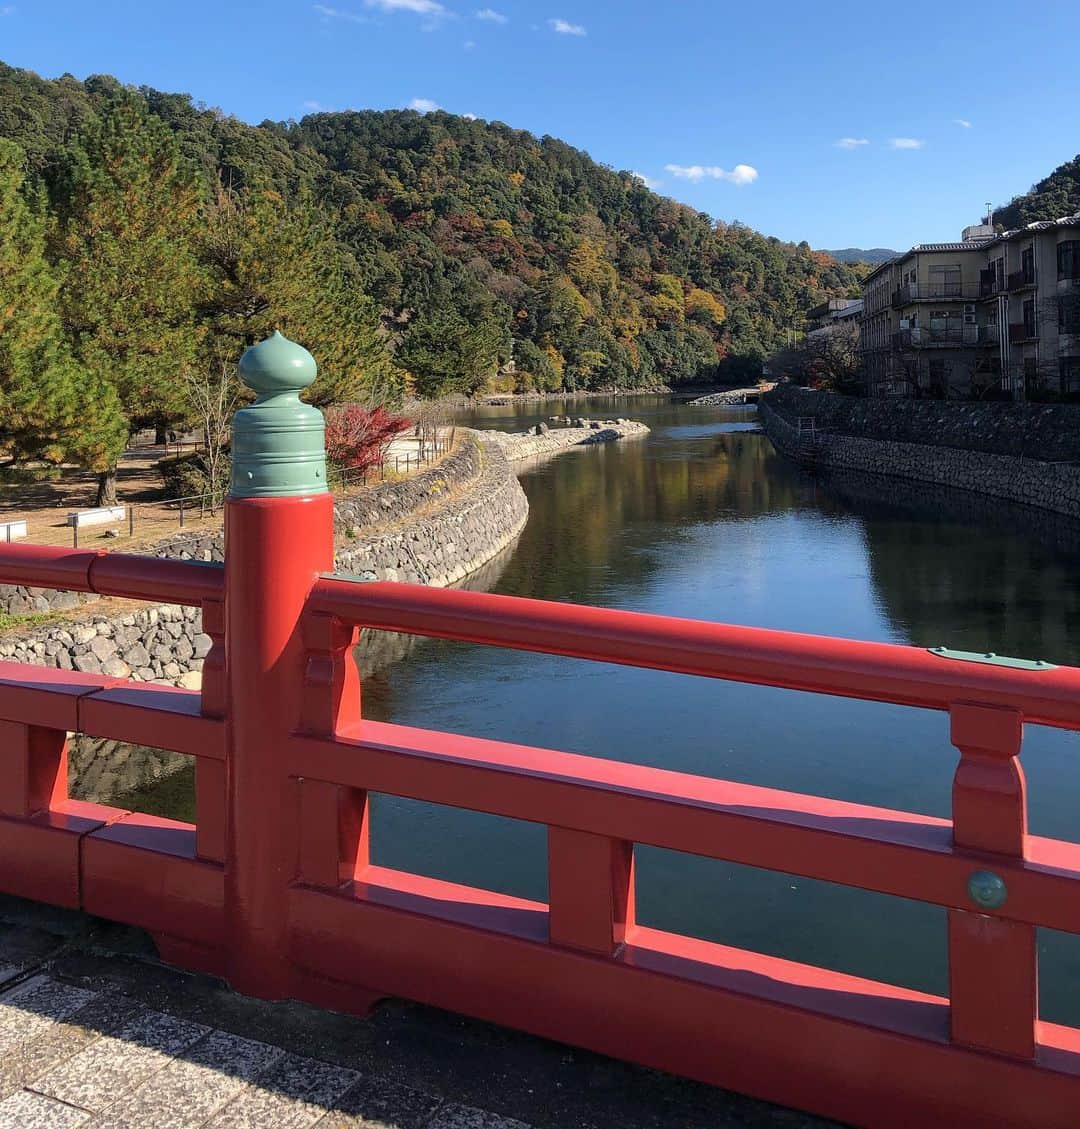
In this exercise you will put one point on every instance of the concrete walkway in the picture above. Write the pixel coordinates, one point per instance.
(96, 1033)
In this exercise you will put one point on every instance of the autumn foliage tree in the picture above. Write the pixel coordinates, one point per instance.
(357, 436)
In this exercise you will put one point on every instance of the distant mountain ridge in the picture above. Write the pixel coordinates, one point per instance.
(863, 255)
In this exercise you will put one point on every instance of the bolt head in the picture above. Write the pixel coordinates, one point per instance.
(987, 889)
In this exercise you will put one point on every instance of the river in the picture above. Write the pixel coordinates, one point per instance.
(704, 519)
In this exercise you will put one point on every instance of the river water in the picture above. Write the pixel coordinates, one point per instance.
(704, 519)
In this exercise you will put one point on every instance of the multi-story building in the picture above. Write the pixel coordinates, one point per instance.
(834, 312)
(996, 313)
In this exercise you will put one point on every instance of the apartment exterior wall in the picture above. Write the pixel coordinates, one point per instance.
(968, 320)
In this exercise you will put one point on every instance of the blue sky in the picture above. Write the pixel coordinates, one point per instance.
(846, 124)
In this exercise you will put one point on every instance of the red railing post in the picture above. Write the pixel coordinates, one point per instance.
(210, 775)
(334, 824)
(34, 769)
(590, 890)
(993, 970)
(278, 537)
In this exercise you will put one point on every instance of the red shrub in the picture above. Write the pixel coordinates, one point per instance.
(356, 437)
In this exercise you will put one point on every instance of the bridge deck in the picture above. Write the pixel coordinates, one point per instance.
(96, 1034)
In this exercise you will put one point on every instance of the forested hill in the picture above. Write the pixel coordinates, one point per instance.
(872, 255)
(1056, 196)
(478, 244)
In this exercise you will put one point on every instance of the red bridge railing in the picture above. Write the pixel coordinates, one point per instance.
(274, 889)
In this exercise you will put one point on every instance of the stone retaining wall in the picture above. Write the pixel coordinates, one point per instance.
(549, 441)
(434, 528)
(1042, 431)
(1045, 485)
(462, 516)
(732, 397)
(148, 644)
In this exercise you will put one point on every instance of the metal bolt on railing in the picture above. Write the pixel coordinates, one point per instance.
(987, 889)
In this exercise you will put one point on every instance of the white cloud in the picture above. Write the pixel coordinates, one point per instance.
(338, 14)
(420, 7)
(563, 27)
(851, 142)
(313, 106)
(646, 180)
(469, 117)
(424, 105)
(962, 122)
(417, 7)
(906, 143)
(491, 15)
(739, 175)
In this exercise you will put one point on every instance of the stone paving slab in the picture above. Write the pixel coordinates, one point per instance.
(96, 1033)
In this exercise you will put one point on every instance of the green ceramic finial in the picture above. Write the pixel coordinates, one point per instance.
(278, 444)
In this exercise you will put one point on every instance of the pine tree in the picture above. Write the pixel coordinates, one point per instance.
(275, 266)
(128, 211)
(49, 409)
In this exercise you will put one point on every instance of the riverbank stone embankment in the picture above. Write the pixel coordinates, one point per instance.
(1048, 432)
(433, 528)
(543, 439)
(730, 397)
(946, 444)
(437, 527)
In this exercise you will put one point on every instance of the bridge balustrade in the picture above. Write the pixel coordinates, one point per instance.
(273, 886)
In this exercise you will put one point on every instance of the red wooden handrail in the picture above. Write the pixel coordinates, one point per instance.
(43, 566)
(883, 672)
(112, 574)
(275, 889)
(892, 852)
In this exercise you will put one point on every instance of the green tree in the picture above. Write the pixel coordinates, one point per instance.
(49, 409)
(128, 210)
(445, 353)
(273, 265)
(435, 218)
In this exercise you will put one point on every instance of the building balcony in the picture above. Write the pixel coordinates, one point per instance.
(924, 337)
(1021, 280)
(989, 335)
(992, 287)
(1018, 334)
(934, 292)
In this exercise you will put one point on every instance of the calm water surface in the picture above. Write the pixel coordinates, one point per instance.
(703, 519)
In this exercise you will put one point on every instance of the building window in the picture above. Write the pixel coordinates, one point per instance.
(1029, 318)
(1069, 374)
(945, 281)
(1027, 264)
(1069, 315)
(1068, 259)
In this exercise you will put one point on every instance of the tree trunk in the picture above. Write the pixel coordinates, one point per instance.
(161, 434)
(106, 489)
